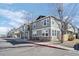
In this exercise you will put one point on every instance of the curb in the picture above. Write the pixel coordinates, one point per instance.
(17, 46)
(53, 46)
(46, 45)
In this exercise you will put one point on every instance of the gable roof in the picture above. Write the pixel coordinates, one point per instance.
(41, 16)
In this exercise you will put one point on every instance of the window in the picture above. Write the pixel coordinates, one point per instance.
(55, 32)
(45, 32)
(58, 33)
(34, 25)
(47, 20)
(34, 33)
(23, 28)
(44, 22)
(52, 32)
(52, 22)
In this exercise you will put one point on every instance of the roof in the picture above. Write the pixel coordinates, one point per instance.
(40, 17)
(43, 17)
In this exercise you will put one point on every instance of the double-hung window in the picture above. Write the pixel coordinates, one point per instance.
(52, 32)
(34, 33)
(52, 22)
(45, 32)
(55, 32)
(46, 21)
(34, 26)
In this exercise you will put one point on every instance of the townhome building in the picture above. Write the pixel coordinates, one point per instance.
(20, 33)
(23, 32)
(24, 29)
(11, 33)
(46, 28)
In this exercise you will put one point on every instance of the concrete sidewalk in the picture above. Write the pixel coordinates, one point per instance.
(32, 43)
(53, 45)
(46, 44)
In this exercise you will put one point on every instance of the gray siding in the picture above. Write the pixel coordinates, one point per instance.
(40, 24)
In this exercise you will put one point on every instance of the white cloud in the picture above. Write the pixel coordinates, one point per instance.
(14, 24)
(4, 30)
(76, 19)
(16, 18)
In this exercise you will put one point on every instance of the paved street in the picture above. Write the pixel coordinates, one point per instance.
(4, 43)
(35, 50)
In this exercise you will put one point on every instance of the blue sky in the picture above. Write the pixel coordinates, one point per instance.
(13, 15)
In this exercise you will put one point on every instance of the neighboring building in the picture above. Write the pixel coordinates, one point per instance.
(71, 28)
(22, 32)
(11, 33)
(77, 32)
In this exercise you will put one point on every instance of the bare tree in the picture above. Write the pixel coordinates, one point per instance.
(65, 22)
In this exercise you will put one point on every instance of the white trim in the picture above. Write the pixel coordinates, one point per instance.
(42, 28)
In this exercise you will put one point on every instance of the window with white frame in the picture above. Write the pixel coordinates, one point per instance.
(58, 33)
(34, 33)
(45, 22)
(45, 32)
(26, 28)
(34, 25)
(23, 28)
(53, 32)
(52, 22)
